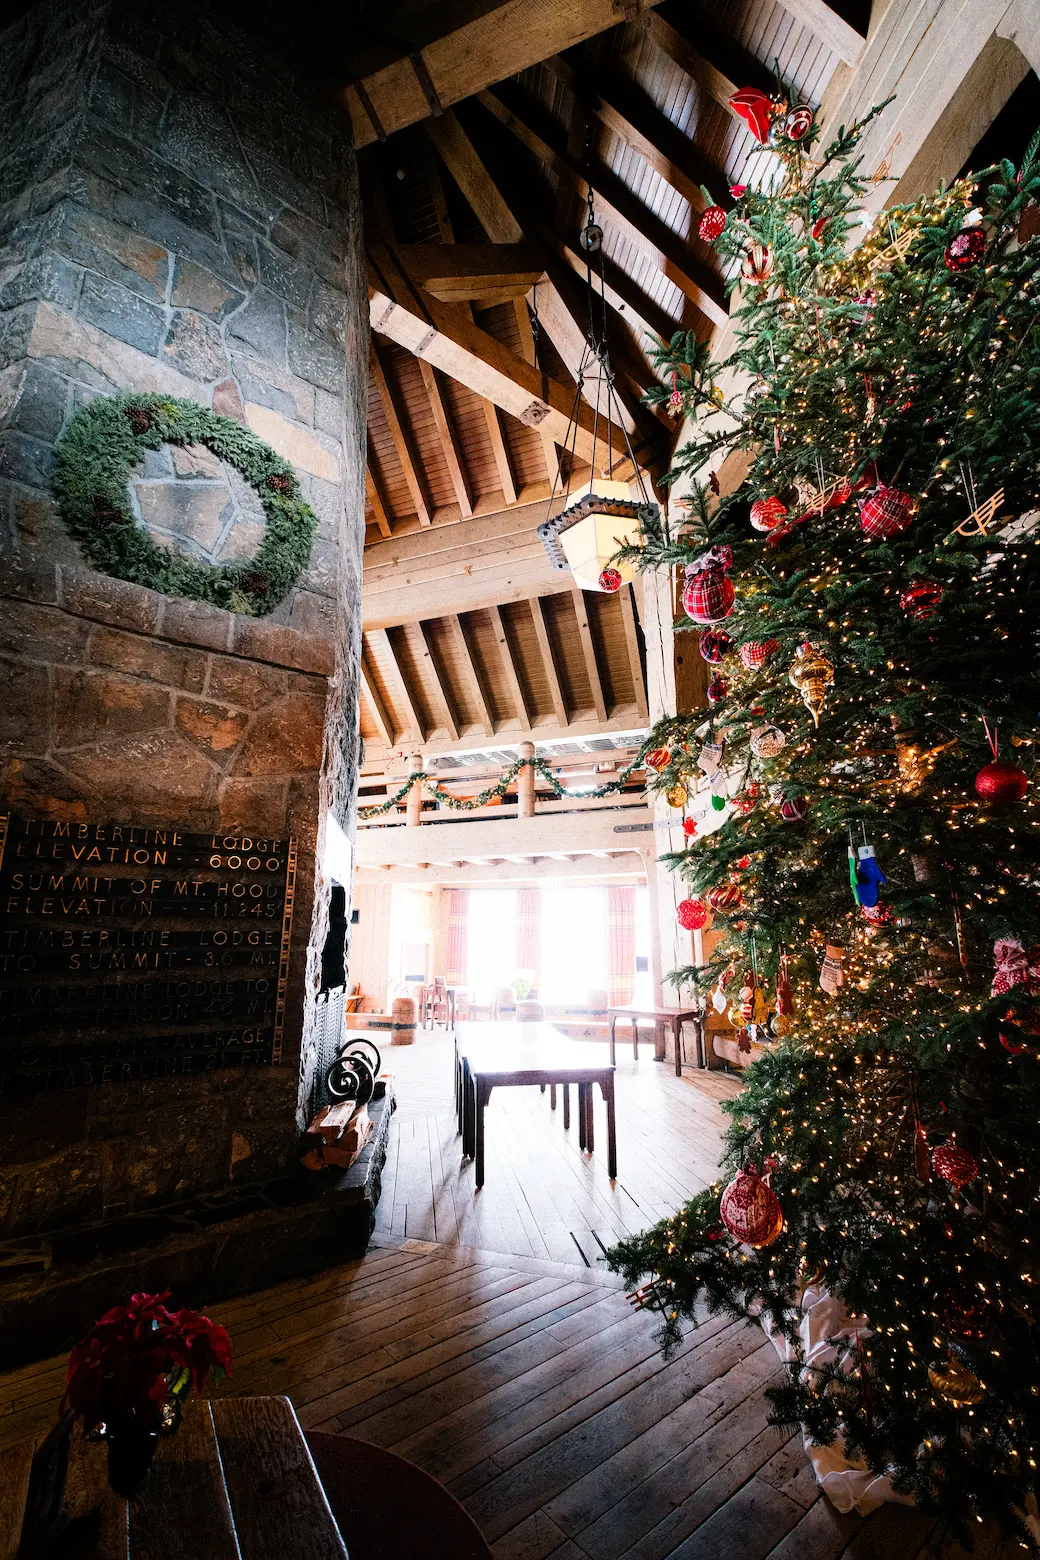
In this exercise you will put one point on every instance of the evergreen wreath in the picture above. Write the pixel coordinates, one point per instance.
(96, 455)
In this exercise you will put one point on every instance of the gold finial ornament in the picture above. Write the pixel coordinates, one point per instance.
(812, 674)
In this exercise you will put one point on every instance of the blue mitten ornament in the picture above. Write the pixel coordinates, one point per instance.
(869, 878)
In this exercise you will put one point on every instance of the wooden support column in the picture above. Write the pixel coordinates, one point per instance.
(525, 782)
(414, 814)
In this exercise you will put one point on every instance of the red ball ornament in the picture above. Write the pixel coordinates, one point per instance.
(718, 689)
(692, 914)
(767, 513)
(751, 1210)
(885, 513)
(708, 595)
(954, 1165)
(921, 598)
(658, 758)
(965, 249)
(798, 123)
(878, 915)
(610, 580)
(1001, 783)
(757, 652)
(712, 224)
(794, 811)
(725, 897)
(714, 645)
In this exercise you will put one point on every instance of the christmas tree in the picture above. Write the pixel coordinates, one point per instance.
(868, 597)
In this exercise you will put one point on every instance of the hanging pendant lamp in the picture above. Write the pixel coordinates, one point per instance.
(600, 515)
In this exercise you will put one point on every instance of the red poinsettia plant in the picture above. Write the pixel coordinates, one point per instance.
(140, 1361)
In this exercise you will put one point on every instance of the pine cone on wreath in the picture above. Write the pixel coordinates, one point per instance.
(278, 482)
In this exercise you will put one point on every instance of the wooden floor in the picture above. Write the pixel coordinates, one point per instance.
(542, 1196)
(528, 1384)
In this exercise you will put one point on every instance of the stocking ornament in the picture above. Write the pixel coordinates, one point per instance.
(831, 974)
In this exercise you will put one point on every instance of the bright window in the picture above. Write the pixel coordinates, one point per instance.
(644, 988)
(491, 941)
(574, 944)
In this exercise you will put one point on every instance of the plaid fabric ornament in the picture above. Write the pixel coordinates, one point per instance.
(708, 594)
(1013, 966)
(756, 653)
(885, 513)
(714, 645)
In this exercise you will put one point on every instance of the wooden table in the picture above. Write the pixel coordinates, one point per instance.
(670, 1017)
(236, 1482)
(507, 1056)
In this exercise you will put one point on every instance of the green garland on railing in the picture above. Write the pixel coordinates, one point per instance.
(499, 789)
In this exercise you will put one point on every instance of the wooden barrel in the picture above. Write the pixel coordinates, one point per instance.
(402, 1020)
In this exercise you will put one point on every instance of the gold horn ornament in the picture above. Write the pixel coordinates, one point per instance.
(812, 674)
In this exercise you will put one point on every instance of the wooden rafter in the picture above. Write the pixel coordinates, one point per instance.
(473, 675)
(440, 692)
(498, 216)
(446, 438)
(678, 48)
(379, 506)
(510, 668)
(703, 288)
(635, 660)
(479, 273)
(527, 346)
(446, 336)
(833, 31)
(588, 650)
(636, 122)
(507, 39)
(380, 636)
(401, 436)
(383, 718)
(548, 655)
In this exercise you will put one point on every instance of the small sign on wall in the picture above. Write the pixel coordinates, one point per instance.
(130, 952)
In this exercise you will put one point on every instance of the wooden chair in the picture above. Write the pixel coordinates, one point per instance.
(438, 1006)
(504, 1005)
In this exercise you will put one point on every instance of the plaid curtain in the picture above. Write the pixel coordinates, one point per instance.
(621, 942)
(455, 902)
(529, 931)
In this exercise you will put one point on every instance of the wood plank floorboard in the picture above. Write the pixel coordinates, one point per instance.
(481, 1337)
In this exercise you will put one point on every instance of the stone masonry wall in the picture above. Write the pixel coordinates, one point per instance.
(177, 215)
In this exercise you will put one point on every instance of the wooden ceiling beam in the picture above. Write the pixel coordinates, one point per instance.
(510, 668)
(472, 674)
(588, 650)
(642, 127)
(833, 31)
(548, 655)
(681, 52)
(446, 438)
(506, 216)
(656, 240)
(507, 39)
(381, 714)
(378, 503)
(527, 347)
(635, 660)
(380, 637)
(481, 273)
(440, 691)
(447, 337)
(406, 452)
